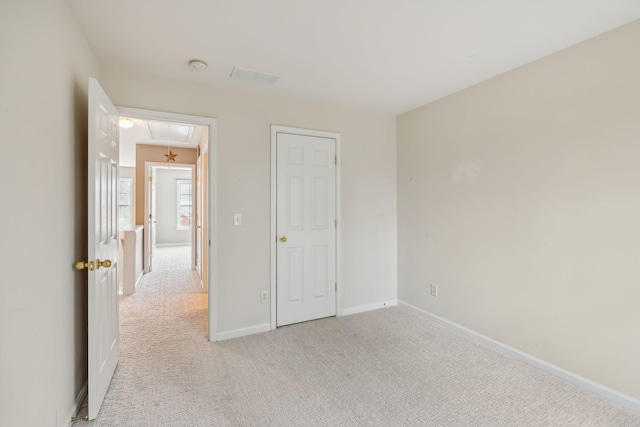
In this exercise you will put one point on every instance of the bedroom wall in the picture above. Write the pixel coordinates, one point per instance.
(244, 130)
(46, 64)
(520, 199)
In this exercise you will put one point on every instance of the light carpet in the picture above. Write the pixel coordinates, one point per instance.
(388, 367)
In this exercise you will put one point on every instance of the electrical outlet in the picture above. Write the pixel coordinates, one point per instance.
(434, 290)
(264, 296)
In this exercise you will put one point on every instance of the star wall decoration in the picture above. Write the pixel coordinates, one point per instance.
(170, 157)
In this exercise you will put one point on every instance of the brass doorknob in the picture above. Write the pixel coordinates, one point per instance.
(81, 265)
(283, 239)
(106, 263)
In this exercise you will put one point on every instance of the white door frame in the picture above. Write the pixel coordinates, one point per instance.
(148, 166)
(212, 184)
(275, 129)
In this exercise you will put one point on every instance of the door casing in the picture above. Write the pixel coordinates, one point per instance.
(148, 172)
(275, 129)
(212, 181)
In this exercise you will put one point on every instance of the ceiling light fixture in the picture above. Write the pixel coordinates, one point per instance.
(198, 65)
(125, 123)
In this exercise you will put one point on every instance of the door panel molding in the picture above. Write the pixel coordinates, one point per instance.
(102, 305)
(319, 158)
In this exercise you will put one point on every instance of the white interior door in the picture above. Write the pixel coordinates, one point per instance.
(199, 205)
(153, 217)
(150, 215)
(305, 227)
(103, 245)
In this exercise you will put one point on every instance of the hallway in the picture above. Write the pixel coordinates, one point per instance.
(159, 327)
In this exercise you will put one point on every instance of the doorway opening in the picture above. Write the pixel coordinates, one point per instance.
(167, 196)
(170, 212)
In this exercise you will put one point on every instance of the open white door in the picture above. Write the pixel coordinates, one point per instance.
(306, 227)
(102, 266)
(150, 215)
(199, 198)
(153, 219)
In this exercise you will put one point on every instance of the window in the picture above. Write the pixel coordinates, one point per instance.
(125, 201)
(184, 204)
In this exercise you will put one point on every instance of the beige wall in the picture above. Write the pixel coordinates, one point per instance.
(244, 121)
(520, 198)
(46, 64)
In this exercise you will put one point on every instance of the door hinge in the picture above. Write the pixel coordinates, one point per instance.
(336, 287)
(150, 178)
(336, 160)
(336, 223)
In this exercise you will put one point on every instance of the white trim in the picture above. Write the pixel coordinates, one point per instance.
(306, 132)
(242, 332)
(339, 226)
(368, 307)
(137, 113)
(272, 236)
(214, 243)
(212, 124)
(165, 245)
(77, 404)
(148, 167)
(610, 394)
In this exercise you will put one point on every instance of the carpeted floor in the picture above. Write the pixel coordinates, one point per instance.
(385, 368)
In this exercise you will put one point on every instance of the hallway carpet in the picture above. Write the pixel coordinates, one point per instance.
(387, 367)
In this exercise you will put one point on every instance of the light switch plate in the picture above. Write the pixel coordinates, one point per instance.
(237, 219)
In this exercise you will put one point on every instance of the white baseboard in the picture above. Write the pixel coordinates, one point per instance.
(237, 333)
(73, 412)
(610, 394)
(369, 307)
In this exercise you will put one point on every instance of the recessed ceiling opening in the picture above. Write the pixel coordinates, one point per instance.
(165, 131)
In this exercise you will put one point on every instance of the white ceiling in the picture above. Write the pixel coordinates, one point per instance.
(140, 134)
(393, 55)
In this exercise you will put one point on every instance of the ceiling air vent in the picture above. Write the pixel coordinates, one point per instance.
(253, 76)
